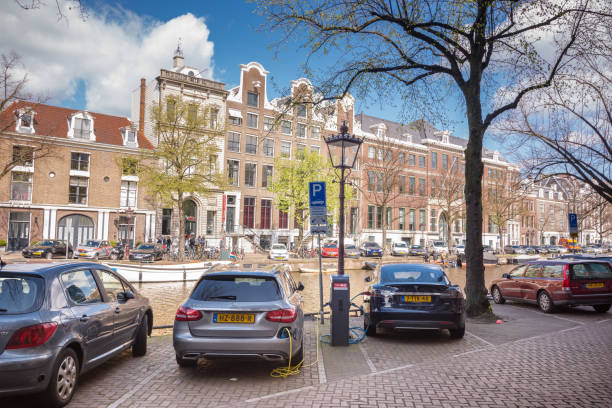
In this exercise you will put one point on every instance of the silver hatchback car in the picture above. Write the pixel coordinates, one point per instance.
(244, 311)
(58, 321)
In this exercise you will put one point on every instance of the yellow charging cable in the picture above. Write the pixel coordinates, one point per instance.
(284, 372)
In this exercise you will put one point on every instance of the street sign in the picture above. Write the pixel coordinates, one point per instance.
(573, 223)
(318, 207)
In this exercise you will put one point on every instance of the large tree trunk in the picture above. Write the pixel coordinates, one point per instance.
(181, 237)
(476, 293)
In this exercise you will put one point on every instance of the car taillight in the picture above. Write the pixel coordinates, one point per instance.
(282, 315)
(186, 314)
(566, 278)
(31, 336)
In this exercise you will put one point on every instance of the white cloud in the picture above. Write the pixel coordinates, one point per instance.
(109, 52)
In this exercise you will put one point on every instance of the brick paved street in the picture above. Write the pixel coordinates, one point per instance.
(532, 360)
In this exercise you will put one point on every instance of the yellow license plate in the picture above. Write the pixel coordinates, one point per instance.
(594, 285)
(247, 318)
(37, 253)
(417, 299)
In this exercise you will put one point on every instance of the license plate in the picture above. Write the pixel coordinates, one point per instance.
(37, 253)
(594, 285)
(417, 299)
(278, 257)
(247, 318)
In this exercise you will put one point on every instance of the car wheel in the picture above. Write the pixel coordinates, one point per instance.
(186, 362)
(497, 296)
(369, 328)
(601, 308)
(457, 333)
(49, 255)
(139, 348)
(113, 256)
(96, 257)
(64, 378)
(545, 302)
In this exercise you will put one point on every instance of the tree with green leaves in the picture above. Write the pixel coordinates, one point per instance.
(185, 161)
(486, 55)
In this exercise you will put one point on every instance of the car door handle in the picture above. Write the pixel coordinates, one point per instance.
(117, 310)
(84, 318)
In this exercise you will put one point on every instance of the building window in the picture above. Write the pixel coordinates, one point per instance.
(250, 174)
(252, 120)
(379, 154)
(266, 178)
(79, 161)
(411, 185)
(300, 149)
(422, 221)
(283, 219)
(170, 110)
(235, 120)
(445, 161)
(251, 144)
(285, 149)
(301, 110)
(213, 116)
(422, 186)
(210, 222)
(78, 190)
(268, 147)
(402, 184)
(128, 194)
(421, 161)
(388, 156)
(233, 142)
(268, 123)
(379, 182)
(82, 128)
(433, 220)
(401, 158)
(457, 226)
(233, 168)
(402, 218)
(379, 217)
(23, 156)
(370, 216)
(411, 220)
(315, 132)
(433, 187)
(129, 166)
(371, 152)
(21, 186)
(412, 159)
(253, 99)
(166, 221)
(455, 164)
(434, 160)
(25, 123)
(192, 114)
(266, 214)
(371, 180)
(301, 130)
(249, 212)
(286, 127)
(315, 149)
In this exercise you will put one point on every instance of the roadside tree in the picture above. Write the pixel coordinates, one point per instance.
(447, 193)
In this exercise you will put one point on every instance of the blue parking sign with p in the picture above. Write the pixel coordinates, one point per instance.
(317, 194)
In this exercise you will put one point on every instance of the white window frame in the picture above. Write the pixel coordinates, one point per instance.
(72, 122)
(237, 184)
(266, 127)
(19, 127)
(31, 186)
(290, 147)
(299, 128)
(267, 140)
(254, 177)
(312, 133)
(239, 141)
(122, 204)
(247, 144)
(256, 119)
(290, 127)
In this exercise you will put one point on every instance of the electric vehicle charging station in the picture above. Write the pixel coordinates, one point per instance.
(340, 303)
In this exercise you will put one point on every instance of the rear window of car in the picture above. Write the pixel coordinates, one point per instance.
(371, 245)
(237, 289)
(591, 270)
(20, 294)
(428, 276)
(552, 271)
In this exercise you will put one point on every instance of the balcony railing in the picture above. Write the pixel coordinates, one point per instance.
(165, 74)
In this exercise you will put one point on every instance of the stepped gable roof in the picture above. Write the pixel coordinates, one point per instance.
(53, 121)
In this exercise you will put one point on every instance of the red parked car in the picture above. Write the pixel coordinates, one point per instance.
(557, 283)
(329, 250)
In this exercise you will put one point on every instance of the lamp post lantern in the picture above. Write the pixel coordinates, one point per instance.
(343, 149)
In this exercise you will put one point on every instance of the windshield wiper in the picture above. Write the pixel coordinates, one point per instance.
(229, 297)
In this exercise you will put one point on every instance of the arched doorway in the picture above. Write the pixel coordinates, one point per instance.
(75, 229)
(443, 227)
(190, 210)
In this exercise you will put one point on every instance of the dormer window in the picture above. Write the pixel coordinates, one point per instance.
(81, 127)
(25, 121)
(130, 137)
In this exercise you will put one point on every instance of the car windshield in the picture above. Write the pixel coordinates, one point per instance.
(20, 293)
(278, 246)
(591, 270)
(400, 244)
(45, 243)
(439, 244)
(237, 289)
(349, 247)
(146, 247)
(329, 246)
(92, 243)
(403, 273)
(416, 247)
(371, 245)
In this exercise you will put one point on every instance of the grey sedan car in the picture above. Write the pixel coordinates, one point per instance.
(58, 321)
(244, 311)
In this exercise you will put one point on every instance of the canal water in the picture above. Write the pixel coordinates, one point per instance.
(166, 297)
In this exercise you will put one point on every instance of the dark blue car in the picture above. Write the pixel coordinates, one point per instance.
(371, 248)
(414, 296)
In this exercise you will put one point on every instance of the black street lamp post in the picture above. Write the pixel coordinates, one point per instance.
(343, 150)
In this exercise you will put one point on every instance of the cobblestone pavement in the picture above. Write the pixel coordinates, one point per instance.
(532, 360)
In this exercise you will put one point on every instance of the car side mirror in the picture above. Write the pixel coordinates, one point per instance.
(125, 296)
(368, 279)
(507, 276)
(300, 286)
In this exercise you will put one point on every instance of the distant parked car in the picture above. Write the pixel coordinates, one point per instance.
(279, 252)
(351, 251)
(414, 296)
(514, 249)
(417, 250)
(541, 250)
(460, 249)
(147, 253)
(241, 311)
(549, 284)
(371, 248)
(439, 247)
(47, 249)
(94, 250)
(329, 250)
(487, 248)
(59, 321)
(399, 249)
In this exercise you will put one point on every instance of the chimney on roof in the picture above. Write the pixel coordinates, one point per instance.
(143, 89)
(178, 61)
